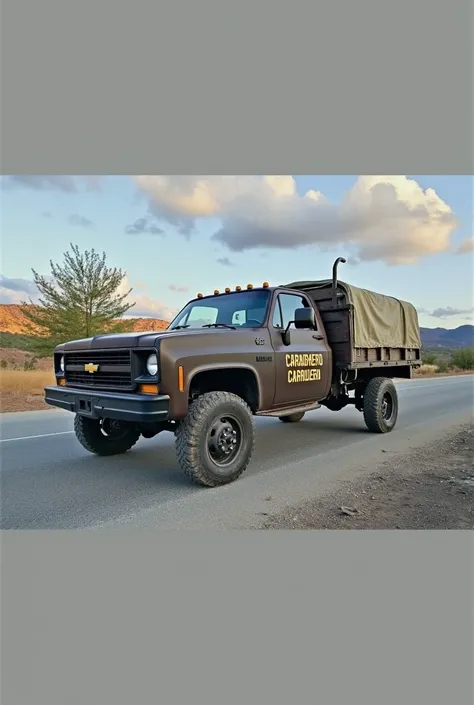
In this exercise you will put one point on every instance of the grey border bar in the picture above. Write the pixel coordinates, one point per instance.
(377, 618)
(352, 88)
(242, 617)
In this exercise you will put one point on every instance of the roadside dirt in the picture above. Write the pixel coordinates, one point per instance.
(22, 389)
(426, 488)
(10, 401)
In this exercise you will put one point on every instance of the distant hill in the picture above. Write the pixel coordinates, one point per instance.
(13, 321)
(462, 337)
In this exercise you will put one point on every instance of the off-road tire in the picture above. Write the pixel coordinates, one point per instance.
(292, 418)
(89, 434)
(377, 389)
(192, 438)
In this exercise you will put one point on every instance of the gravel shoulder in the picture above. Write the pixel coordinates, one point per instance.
(430, 487)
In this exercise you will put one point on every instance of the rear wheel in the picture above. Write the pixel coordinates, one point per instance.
(105, 436)
(214, 443)
(380, 405)
(292, 418)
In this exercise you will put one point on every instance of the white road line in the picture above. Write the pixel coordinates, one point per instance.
(41, 435)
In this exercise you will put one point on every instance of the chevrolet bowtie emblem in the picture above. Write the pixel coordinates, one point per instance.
(91, 368)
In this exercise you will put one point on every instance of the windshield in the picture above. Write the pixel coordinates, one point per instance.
(241, 309)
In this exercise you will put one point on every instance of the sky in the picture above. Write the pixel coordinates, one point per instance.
(408, 236)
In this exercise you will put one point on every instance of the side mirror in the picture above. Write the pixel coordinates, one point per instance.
(305, 318)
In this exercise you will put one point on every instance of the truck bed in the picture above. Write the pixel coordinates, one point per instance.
(365, 329)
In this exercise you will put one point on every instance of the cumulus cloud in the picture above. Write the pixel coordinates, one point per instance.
(180, 289)
(466, 246)
(80, 221)
(16, 290)
(145, 305)
(225, 261)
(450, 312)
(50, 182)
(387, 218)
(143, 226)
(15, 284)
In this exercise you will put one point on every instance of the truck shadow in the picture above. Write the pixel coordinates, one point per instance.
(153, 463)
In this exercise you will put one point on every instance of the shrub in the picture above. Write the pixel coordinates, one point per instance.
(429, 358)
(30, 364)
(3, 364)
(442, 367)
(426, 370)
(463, 358)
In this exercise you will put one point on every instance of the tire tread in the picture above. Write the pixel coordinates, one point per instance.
(188, 437)
(86, 434)
(372, 404)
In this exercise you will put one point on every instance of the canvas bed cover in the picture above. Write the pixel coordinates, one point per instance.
(379, 320)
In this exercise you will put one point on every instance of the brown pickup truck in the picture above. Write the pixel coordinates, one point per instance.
(254, 351)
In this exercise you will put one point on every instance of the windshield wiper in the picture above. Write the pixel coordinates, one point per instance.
(218, 325)
(180, 327)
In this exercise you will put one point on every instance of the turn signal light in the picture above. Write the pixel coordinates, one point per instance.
(149, 388)
(227, 290)
(61, 382)
(181, 378)
(249, 286)
(238, 288)
(266, 285)
(199, 296)
(216, 291)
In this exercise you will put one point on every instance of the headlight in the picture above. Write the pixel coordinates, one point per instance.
(152, 365)
(61, 363)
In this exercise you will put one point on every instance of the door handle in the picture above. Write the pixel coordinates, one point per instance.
(318, 336)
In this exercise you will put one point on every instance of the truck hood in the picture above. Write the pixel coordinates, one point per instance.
(135, 340)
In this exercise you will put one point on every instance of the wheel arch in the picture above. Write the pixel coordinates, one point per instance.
(240, 379)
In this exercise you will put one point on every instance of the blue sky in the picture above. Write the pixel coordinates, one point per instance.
(401, 234)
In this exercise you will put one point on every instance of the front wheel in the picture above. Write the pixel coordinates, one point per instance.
(380, 405)
(105, 436)
(214, 443)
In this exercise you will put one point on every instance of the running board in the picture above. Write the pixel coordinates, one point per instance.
(288, 412)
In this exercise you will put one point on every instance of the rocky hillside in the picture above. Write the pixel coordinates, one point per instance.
(13, 321)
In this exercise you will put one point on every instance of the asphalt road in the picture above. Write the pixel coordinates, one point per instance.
(48, 481)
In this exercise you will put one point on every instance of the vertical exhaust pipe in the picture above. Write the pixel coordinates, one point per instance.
(334, 279)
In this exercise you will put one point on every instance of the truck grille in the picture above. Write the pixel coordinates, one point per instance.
(114, 371)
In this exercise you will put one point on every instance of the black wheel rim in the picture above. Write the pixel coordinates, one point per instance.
(387, 406)
(224, 440)
(113, 429)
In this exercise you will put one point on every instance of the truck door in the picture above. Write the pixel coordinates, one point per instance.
(303, 368)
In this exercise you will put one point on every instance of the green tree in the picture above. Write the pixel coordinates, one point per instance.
(80, 298)
(463, 358)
